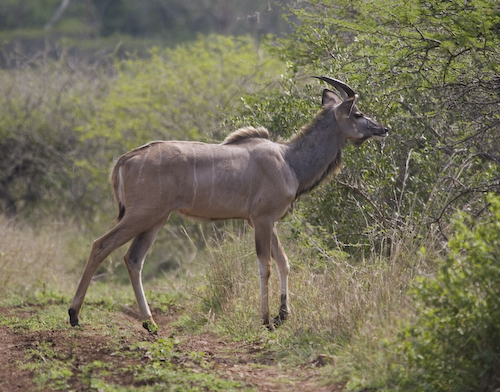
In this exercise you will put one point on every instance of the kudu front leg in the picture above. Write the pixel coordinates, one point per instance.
(263, 233)
(283, 268)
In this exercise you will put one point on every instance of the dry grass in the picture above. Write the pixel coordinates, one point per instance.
(341, 307)
(33, 260)
(332, 297)
(337, 303)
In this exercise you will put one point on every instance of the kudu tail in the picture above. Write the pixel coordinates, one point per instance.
(117, 183)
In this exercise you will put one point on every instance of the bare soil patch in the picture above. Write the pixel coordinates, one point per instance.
(242, 361)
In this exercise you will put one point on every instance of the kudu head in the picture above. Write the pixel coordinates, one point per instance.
(355, 125)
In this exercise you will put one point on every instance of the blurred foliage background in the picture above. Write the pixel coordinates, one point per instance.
(83, 81)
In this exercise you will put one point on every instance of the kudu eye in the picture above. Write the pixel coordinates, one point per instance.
(358, 115)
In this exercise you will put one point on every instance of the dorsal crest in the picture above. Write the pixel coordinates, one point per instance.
(246, 133)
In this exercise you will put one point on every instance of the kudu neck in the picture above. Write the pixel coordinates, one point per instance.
(316, 151)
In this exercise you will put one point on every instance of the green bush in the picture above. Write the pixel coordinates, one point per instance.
(62, 122)
(40, 106)
(181, 93)
(427, 70)
(454, 344)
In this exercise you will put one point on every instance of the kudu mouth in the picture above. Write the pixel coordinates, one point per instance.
(380, 134)
(374, 136)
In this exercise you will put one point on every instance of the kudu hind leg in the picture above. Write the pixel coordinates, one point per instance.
(283, 269)
(134, 260)
(101, 248)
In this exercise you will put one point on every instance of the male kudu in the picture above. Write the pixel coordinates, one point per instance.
(248, 177)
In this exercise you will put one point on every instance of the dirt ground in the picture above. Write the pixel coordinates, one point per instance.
(245, 362)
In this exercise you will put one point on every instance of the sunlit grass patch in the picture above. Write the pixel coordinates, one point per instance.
(50, 318)
(39, 263)
(335, 301)
(165, 377)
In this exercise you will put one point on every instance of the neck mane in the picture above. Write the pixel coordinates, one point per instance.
(315, 151)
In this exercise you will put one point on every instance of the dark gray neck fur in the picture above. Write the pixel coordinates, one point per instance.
(315, 151)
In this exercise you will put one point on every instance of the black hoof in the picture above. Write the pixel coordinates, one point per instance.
(73, 318)
(280, 319)
(150, 326)
(268, 324)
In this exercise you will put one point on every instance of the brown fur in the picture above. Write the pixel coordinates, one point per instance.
(246, 133)
(115, 184)
(248, 177)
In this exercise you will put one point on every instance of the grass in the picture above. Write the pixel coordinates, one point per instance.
(106, 351)
(31, 262)
(342, 309)
(328, 304)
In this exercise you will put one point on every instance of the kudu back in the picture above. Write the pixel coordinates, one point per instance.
(248, 176)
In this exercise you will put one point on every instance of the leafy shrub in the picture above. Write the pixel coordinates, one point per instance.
(454, 344)
(181, 93)
(420, 70)
(40, 106)
(62, 122)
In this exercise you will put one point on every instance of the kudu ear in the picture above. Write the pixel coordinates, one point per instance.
(348, 105)
(330, 98)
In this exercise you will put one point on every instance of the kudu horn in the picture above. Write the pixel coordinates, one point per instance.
(343, 88)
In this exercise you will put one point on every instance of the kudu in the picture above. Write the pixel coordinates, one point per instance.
(248, 177)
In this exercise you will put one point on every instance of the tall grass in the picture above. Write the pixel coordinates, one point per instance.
(347, 308)
(34, 260)
(231, 282)
(340, 306)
